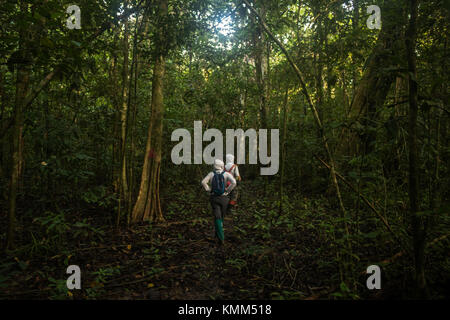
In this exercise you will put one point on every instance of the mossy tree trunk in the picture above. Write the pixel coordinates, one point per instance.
(377, 79)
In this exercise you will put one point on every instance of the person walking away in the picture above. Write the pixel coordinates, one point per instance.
(232, 169)
(222, 183)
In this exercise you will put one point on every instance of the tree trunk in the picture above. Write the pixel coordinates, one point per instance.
(261, 64)
(116, 127)
(22, 88)
(355, 54)
(374, 86)
(418, 223)
(262, 68)
(318, 59)
(148, 206)
(283, 149)
(123, 184)
(124, 114)
(4, 123)
(133, 109)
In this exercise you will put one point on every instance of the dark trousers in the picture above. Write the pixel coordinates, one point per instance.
(233, 196)
(219, 206)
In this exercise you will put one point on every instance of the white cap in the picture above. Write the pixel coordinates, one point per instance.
(218, 165)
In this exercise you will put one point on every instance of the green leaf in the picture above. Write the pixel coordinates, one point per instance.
(370, 235)
(76, 43)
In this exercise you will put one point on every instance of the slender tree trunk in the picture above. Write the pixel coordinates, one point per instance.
(116, 126)
(17, 155)
(418, 223)
(22, 88)
(123, 183)
(319, 82)
(318, 62)
(133, 111)
(262, 68)
(283, 149)
(124, 113)
(355, 61)
(3, 129)
(148, 206)
(261, 63)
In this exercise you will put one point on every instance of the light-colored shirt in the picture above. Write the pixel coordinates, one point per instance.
(227, 177)
(234, 172)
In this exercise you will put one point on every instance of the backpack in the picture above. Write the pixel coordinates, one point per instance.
(218, 183)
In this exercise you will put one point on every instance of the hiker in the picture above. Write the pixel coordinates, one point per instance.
(219, 191)
(232, 169)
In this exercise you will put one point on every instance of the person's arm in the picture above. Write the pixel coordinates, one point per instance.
(236, 173)
(205, 182)
(229, 177)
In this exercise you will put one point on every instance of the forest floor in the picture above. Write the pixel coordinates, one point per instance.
(264, 256)
(192, 265)
(177, 259)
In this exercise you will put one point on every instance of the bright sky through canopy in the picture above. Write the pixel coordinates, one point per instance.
(225, 26)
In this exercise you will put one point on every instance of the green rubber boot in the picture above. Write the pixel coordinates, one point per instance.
(219, 229)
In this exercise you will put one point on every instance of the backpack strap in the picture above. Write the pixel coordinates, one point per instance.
(231, 169)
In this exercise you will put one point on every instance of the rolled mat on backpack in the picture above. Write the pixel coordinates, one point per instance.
(219, 229)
